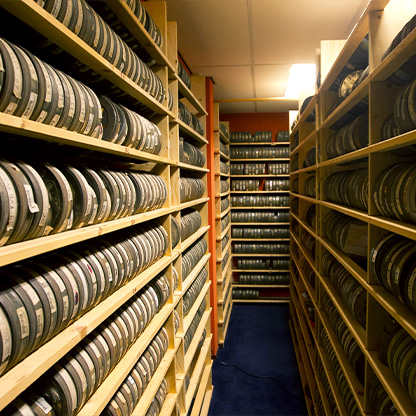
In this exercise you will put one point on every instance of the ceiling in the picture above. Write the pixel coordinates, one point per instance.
(248, 46)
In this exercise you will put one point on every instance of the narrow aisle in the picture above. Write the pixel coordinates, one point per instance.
(259, 342)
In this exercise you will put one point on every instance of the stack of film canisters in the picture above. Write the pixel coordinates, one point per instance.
(225, 221)
(157, 403)
(312, 115)
(263, 279)
(224, 149)
(190, 222)
(347, 395)
(281, 168)
(248, 168)
(307, 269)
(295, 227)
(225, 259)
(240, 137)
(175, 278)
(295, 184)
(191, 188)
(192, 256)
(191, 368)
(176, 320)
(327, 387)
(32, 89)
(194, 325)
(260, 216)
(392, 263)
(225, 241)
(351, 292)
(309, 186)
(294, 142)
(142, 15)
(262, 137)
(42, 296)
(127, 128)
(394, 191)
(337, 227)
(259, 201)
(310, 158)
(255, 152)
(190, 154)
(259, 264)
(309, 306)
(68, 385)
(352, 351)
(276, 184)
(175, 232)
(245, 294)
(224, 129)
(190, 119)
(170, 100)
(128, 395)
(225, 203)
(310, 216)
(86, 23)
(308, 241)
(183, 75)
(245, 184)
(224, 168)
(194, 290)
(295, 205)
(294, 163)
(40, 199)
(406, 72)
(379, 399)
(348, 188)
(225, 185)
(261, 248)
(282, 136)
(349, 138)
(253, 233)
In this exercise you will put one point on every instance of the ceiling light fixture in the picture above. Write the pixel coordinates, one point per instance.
(301, 78)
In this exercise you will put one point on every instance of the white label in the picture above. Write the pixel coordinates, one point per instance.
(48, 292)
(33, 206)
(80, 372)
(71, 387)
(44, 405)
(24, 322)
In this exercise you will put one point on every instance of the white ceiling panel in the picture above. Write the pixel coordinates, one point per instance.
(213, 32)
(230, 82)
(290, 31)
(271, 80)
(240, 107)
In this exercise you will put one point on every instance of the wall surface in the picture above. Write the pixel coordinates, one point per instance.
(253, 122)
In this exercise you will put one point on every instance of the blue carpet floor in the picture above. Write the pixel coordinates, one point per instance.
(259, 342)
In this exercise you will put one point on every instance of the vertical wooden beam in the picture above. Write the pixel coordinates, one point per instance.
(211, 209)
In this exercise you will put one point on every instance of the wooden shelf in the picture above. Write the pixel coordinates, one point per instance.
(222, 195)
(190, 204)
(224, 213)
(224, 233)
(224, 137)
(219, 260)
(190, 131)
(189, 95)
(192, 167)
(224, 155)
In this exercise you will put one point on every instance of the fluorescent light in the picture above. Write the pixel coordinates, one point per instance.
(301, 78)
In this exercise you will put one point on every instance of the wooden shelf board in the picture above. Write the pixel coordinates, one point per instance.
(17, 125)
(192, 167)
(223, 234)
(225, 175)
(190, 131)
(194, 273)
(261, 144)
(260, 192)
(191, 239)
(189, 204)
(187, 320)
(219, 260)
(189, 95)
(348, 157)
(224, 213)
(308, 138)
(224, 155)
(261, 176)
(222, 195)
(304, 197)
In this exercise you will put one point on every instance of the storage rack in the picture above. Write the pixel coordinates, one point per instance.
(268, 293)
(310, 286)
(176, 363)
(223, 262)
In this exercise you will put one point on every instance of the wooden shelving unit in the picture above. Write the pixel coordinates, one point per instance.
(312, 287)
(271, 292)
(176, 362)
(223, 237)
